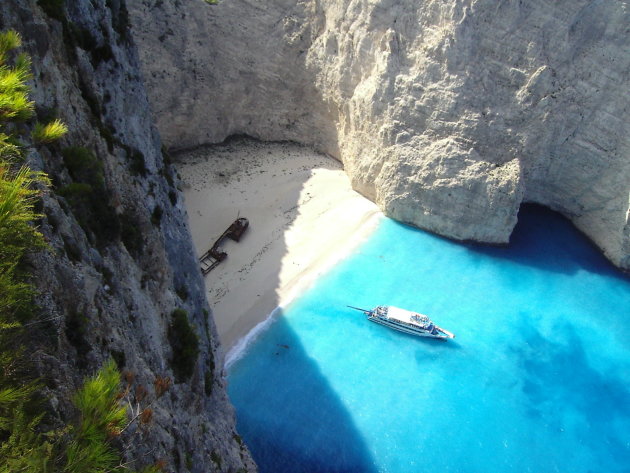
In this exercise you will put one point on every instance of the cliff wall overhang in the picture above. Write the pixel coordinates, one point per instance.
(449, 115)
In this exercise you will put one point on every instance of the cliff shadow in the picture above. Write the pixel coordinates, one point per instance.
(292, 420)
(547, 240)
(246, 178)
(274, 187)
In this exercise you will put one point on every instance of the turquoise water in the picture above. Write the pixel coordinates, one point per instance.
(537, 380)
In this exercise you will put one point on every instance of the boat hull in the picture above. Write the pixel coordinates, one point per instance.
(411, 331)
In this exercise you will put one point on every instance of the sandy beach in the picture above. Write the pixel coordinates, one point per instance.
(303, 216)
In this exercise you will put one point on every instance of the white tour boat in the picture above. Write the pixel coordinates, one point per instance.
(405, 321)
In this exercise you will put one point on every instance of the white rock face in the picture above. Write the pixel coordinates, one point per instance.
(449, 115)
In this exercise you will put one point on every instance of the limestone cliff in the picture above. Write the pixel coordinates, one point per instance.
(121, 257)
(448, 114)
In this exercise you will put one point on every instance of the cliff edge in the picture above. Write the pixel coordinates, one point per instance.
(120, 263)
(448, 115)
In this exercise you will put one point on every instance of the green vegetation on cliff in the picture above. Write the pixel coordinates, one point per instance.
(86, 445)
(18, 188)
(185, 345)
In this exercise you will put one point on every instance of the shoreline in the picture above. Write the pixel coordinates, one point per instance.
(304, 218)
(294, 290)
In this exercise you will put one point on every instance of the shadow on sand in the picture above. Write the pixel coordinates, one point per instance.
(282, 435)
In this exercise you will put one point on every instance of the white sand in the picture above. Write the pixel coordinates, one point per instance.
(303, 217)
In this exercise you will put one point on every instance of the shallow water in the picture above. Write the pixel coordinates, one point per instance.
(538, 378)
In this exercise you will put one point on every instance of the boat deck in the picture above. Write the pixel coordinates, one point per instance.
(406, 316)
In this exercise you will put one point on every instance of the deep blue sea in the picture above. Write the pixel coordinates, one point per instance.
(536, 380)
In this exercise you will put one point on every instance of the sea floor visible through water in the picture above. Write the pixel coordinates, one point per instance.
(536, 380)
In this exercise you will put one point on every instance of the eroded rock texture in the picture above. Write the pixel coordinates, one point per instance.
(448, 114)
(121, 257)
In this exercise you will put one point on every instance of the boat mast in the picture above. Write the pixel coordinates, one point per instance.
(362, 310)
